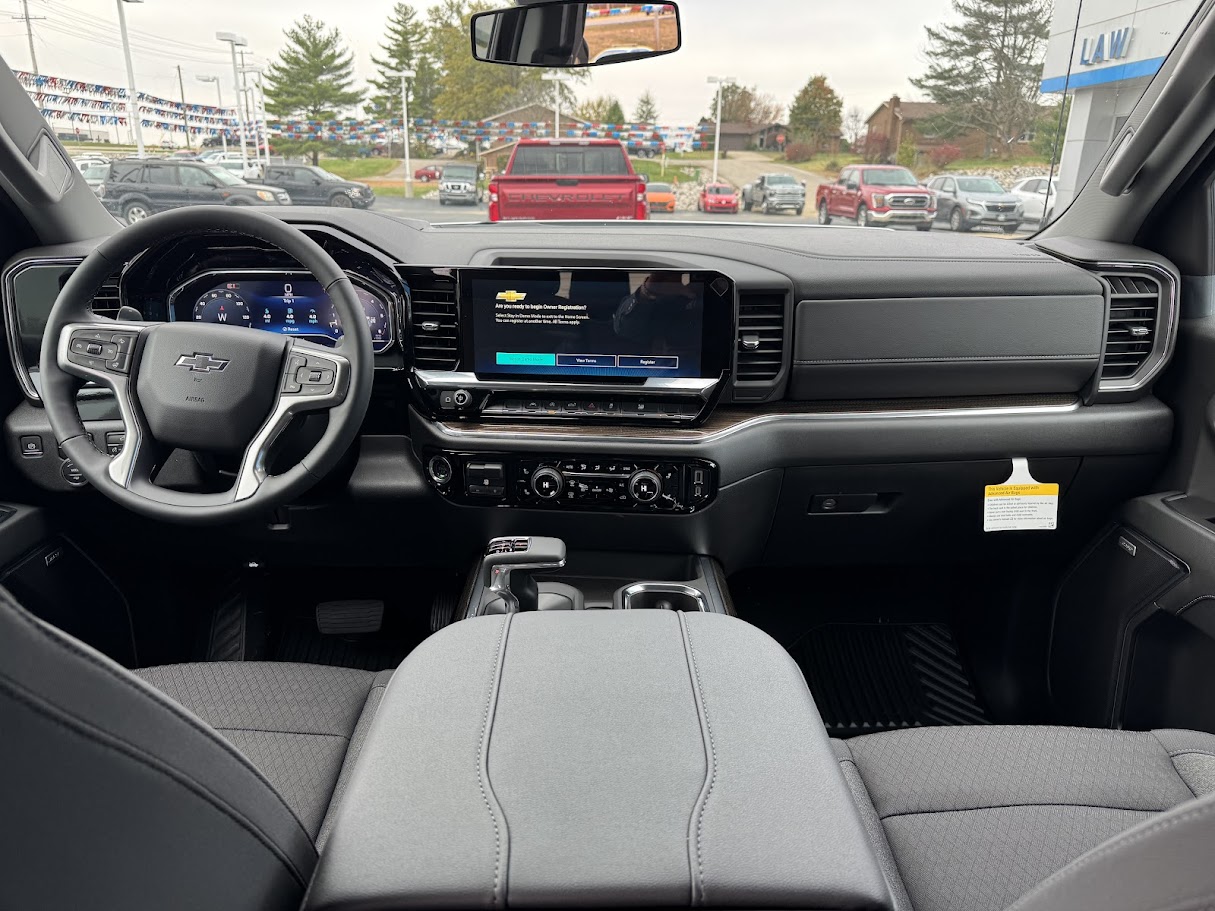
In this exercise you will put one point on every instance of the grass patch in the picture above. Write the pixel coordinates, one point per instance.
(695, 155)
(359, 168)
(652, 169)
(828, 163)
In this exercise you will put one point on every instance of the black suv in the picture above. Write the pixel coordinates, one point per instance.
(309, 185)
(136, 188)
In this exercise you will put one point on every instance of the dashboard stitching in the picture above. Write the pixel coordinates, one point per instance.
(976, 357)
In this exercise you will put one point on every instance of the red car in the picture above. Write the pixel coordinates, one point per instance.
(428, 173)
(718, 197)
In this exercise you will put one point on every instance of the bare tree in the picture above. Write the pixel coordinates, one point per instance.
(854, 126)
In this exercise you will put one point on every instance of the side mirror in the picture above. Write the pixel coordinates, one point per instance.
(566, 33)
(645, 178)
(853, 185)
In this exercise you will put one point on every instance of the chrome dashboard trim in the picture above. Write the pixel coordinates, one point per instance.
(16, 355)
(692, 435)
(445, 379)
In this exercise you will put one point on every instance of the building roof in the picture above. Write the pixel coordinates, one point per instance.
(548, 112)
(745, 129)
(913, 110)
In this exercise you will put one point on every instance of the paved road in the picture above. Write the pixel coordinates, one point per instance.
(428, 209)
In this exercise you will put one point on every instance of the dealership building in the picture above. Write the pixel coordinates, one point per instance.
(1104, 60)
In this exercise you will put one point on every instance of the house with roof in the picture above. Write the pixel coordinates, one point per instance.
(896, 121)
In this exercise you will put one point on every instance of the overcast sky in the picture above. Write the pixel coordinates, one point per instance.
(867, 49)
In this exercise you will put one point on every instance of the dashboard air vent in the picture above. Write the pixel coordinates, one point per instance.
(106, 301)
(436, 321)
(1134, 322)
(761, 337)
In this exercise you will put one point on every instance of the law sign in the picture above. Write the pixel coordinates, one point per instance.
(1107, 46)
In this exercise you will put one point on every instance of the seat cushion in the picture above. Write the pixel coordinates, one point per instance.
(972, 818)
(294, 722)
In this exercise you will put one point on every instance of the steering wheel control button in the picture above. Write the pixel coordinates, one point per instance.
(72, 474)
(31, 447)
(645, 486)
(547, 483)
(114, 441)
(440, 469)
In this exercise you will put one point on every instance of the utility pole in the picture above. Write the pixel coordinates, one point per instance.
(29, 31)
(133, 94)
(561, 79)
(219, 98)
(185, 114)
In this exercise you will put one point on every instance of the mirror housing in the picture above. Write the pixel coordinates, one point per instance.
(564, 34)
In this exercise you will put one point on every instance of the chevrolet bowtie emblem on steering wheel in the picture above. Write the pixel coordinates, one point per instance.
(201, 363)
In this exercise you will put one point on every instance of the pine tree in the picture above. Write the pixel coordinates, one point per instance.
(647, 109)
(816, 113)
(986, 68)
(404, 48)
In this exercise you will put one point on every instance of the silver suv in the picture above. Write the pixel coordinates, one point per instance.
(969, 202)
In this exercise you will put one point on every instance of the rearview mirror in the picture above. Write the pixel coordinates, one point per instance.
(564, 34)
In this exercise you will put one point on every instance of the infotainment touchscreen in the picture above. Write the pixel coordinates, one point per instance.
(587, 323)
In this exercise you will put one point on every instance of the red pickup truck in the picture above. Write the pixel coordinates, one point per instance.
(568, 179)
(877, 195)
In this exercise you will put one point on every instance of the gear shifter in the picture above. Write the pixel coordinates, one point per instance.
(507, 571)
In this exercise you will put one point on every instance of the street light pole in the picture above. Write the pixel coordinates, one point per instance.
(219, 99)
(721, 82)
(560, 79)
(132, 104)
(406, 75)
(233, 41)
(263, 118)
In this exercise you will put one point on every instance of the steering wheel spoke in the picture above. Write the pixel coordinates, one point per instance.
(314, 378)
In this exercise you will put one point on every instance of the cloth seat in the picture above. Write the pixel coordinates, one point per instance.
(974, 818)
(301, 725)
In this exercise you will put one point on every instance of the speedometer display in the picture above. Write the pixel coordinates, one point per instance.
(290, 306)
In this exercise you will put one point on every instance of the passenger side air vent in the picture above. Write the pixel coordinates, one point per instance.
(1134, 323)
(761, 337)
(436, 321)
(106, 302)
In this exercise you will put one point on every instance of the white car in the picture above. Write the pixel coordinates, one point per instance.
(1037, 195)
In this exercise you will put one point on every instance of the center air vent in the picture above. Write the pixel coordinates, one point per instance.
(106, 301)
(436, 321)
(1135, 322)
(761, 337)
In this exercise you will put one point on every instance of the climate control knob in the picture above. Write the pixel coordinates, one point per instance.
(645, 486)
(547, 483)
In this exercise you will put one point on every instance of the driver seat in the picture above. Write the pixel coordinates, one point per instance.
(116, 796)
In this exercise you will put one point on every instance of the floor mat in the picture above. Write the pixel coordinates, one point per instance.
(300, 641)
(869, 677)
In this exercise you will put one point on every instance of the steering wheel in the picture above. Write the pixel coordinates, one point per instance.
(200, 387)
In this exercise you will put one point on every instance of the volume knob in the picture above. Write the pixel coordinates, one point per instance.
(645, 486)
(547, 483)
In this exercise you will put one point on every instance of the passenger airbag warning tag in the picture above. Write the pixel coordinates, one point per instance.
(1020, 503)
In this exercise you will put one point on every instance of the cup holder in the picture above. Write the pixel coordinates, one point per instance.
(662, 596)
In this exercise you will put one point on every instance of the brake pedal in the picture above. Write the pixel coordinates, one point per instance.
(347, 618)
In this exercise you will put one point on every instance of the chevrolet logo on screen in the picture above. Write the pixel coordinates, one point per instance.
(512, 297)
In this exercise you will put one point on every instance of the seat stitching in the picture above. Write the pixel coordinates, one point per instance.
(107, 740)
(276, 731)
(712, 776)
(153, 697)
(1118, 842)
(482, 749)
(1031, 803)
(1196, 752)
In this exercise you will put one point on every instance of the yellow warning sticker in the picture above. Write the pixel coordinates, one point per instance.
(1021, 503)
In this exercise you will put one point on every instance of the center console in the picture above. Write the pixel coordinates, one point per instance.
(644, 758)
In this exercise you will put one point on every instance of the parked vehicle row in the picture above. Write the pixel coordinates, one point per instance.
(773, 193)
(133, 188)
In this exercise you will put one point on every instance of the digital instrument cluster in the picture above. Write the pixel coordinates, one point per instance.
(287, 303)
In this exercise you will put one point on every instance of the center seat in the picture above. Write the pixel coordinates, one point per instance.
(648, 758)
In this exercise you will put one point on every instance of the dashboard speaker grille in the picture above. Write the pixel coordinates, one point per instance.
(1134, 321)
(436, 321)
(106, 302)
(761, 337)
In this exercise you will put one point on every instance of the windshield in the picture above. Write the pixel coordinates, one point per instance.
(979, 185)
(659, 188)
(721, 191)
(988, 92)
(224, 177)
(895, 177)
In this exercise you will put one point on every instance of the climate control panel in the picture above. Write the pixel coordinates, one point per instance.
(607, 483)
